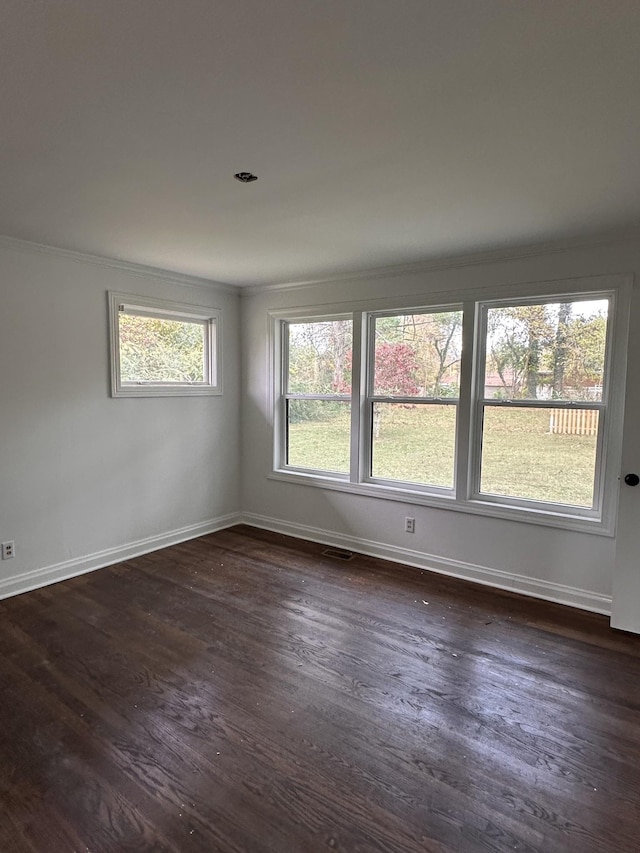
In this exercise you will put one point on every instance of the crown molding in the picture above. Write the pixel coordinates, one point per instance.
(448, 262)
(170, 276)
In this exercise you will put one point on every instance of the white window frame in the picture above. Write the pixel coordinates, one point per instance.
(284, 395)
(480, 403)
(466, 496)
(144, 306)
(371, 398)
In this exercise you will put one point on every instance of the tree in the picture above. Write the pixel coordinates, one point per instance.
(396, 369)
(320, 357)
(548, 346)
(436, 341)
(154, 349)
(560, 350)
(319, 363)
(518, 338)
(341, 354)
(585, 354)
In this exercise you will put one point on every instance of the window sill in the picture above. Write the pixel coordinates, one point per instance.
(563, 521)
(167, 391)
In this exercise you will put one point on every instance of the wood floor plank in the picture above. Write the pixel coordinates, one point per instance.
(244, 693)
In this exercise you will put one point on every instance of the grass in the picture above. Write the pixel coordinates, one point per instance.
(520, 457)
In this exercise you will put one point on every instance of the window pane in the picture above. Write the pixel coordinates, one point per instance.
(318, 435)
(540, 454)
(418, 355)
(546, 351)
(320, 357)
(158, 350)
(414, 443)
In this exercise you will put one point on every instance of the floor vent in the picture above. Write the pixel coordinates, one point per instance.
(337, 554)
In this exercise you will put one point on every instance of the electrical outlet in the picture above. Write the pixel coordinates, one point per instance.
(409, 525)
(8, 550)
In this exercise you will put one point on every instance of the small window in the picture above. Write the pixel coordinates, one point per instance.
(163, 348)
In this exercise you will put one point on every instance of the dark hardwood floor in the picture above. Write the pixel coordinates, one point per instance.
(241, 692)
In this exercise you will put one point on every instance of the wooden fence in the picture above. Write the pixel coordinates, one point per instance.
(573, 421)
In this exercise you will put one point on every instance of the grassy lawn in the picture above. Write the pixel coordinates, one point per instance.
(416, 444)
(515, 444)
(323, 444)
(520, 457)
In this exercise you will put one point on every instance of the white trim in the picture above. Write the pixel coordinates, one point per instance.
(444, 499)
(125, 266)
(598, 511)
(428, 265)
(358, 426)
(37, 578)
(511, 581)
(422, 300)
(212, 317)
(601, 522)
(582, 599)
(449, 262)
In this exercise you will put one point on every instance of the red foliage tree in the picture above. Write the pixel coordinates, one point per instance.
(396, 370)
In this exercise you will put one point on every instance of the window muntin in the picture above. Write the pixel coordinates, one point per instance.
(542, 402)
(162, 348)
(317, 398)
(597, 417)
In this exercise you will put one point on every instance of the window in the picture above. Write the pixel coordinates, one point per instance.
(318, 395)
(543, 400)
(510, 407)
(162, 348)
(412, 401)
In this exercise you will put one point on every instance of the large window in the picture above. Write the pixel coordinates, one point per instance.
(509, 406)
(162, 348)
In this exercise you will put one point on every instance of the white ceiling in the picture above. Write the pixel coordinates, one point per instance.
(382, 131)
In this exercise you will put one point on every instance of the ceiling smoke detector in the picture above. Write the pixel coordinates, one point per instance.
(245, 177)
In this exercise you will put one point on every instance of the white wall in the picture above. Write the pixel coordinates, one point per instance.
(86, 480)
(82, 475)
(567, 566)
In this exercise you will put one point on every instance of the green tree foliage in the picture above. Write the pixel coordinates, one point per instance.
(585, 352)
(417, 355)
(519, 336)
(439, 344)
(158, 350)
(320, 357)
(436, 343)
(551, 351)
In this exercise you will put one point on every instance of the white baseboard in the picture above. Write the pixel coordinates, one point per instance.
(79, 566)
(547, 590)
(559, 593)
